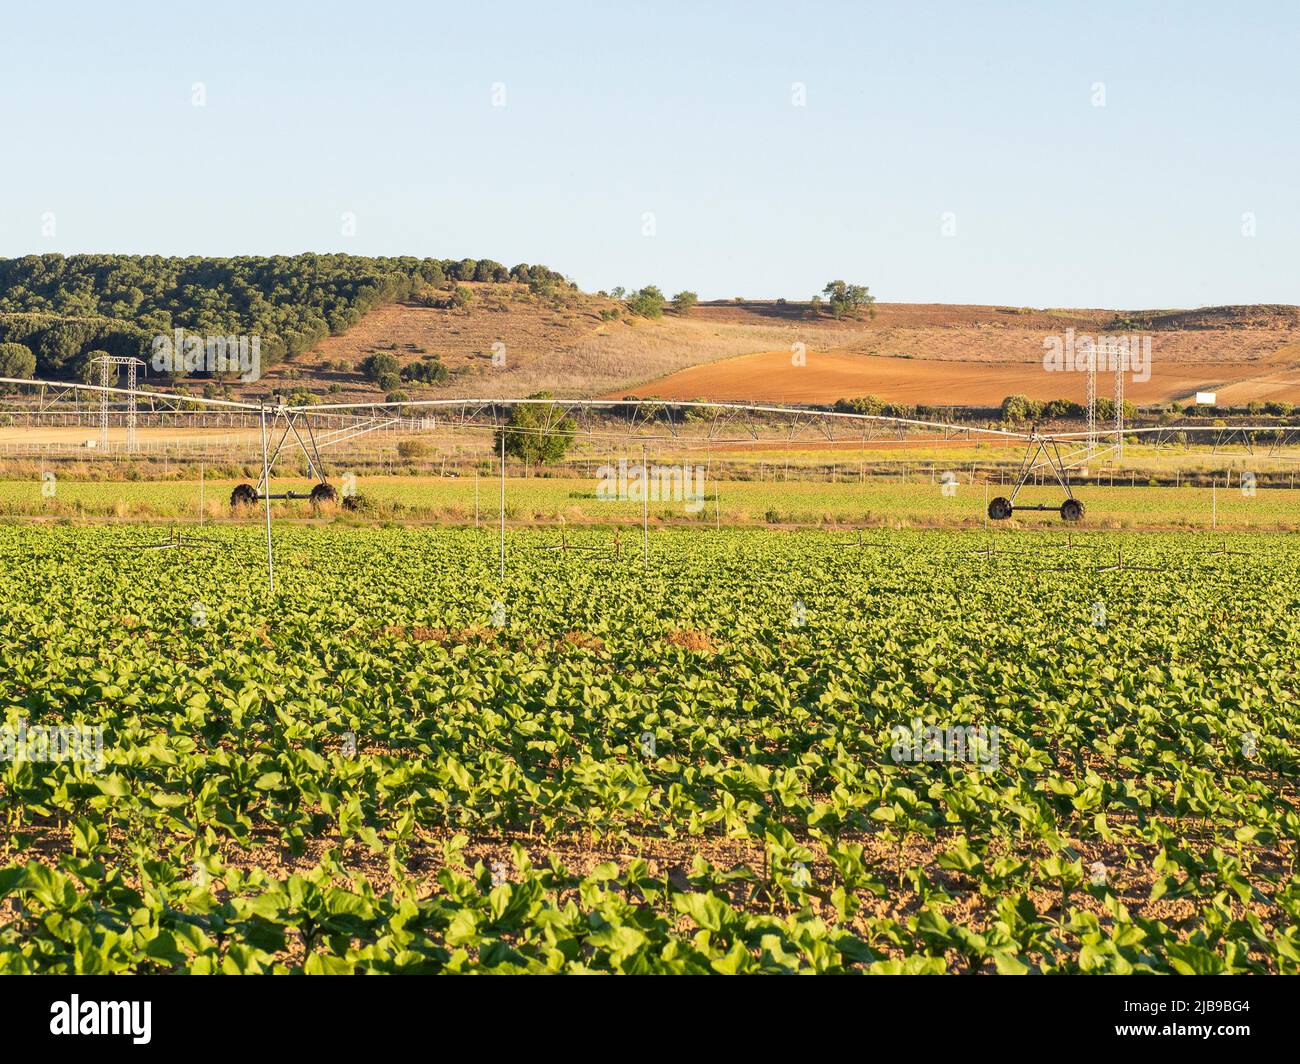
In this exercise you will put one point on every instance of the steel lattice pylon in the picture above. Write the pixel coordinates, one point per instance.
(1119, 406)
(108, 371)
(1090, 402)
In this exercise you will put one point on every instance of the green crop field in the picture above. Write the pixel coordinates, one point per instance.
(763, 751)
(918, 501)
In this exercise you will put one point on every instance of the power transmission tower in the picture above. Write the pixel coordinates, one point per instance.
(108, 366)
(1119, 408)
(1090, 402)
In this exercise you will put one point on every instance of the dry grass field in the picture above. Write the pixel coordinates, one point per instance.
(563, 345)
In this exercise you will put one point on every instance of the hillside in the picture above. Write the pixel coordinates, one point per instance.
(571, 343)
(564, 341)
(474, 328)
(63, 309)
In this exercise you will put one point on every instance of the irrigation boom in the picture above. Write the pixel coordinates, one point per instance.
(1041, 449)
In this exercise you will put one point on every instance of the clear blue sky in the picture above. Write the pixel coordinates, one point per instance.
(385, 110)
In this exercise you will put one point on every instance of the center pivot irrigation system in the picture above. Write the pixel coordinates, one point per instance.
(1042, 451)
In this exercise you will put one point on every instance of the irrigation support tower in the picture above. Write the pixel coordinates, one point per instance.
(503, 506)
(266, 500)
(645, 504)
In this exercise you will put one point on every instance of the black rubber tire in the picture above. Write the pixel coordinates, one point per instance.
(1000, 509)
(323, 493)
(243, 495)
(1072, 510)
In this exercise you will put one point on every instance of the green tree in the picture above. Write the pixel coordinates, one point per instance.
(16, 360)
(648, 302)
(1062, 408)
(536, 431)
(846, 299)
(379, 365)
(683, 301)
(1018, 408)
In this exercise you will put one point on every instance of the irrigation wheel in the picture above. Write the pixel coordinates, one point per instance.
(1000, 509)
(1071, 510)
(322, 493)
(243, 495)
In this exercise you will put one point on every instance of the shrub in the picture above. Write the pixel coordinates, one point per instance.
(867, 404)
(379, 365)
(410, 449)
(426, 371)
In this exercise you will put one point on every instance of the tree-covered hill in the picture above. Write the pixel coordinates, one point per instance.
(62, 308)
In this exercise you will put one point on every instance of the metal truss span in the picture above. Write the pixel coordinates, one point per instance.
(711, 422)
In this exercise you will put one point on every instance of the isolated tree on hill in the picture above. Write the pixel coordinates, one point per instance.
(683, 301)
(846, 299)
(618, 291)
(648, 303)
(536, 431)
